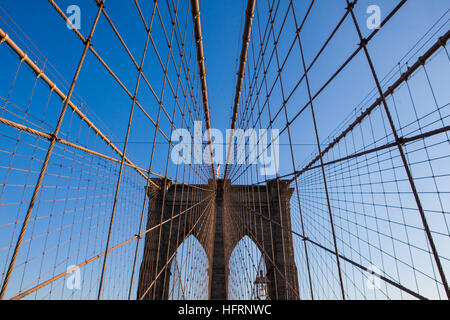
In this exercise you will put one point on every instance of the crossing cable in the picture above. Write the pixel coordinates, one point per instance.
(158, 274)
(202, 71)
(441, 42)
(244, 52)
(47, 158)
(100, 255)
(119, 178)
(402, 154)
(119, 82)
(316, 57)
(397, 285)
(24, 57)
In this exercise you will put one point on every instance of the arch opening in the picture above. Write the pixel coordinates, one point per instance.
(189, 276)
(245, 265)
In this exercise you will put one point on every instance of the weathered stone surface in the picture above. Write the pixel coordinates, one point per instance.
(224, 217)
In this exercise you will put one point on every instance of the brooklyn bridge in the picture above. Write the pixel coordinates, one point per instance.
(116, 181)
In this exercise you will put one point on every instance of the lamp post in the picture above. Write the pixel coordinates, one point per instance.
(261, 287)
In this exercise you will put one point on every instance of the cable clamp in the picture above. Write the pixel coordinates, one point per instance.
(4, 38)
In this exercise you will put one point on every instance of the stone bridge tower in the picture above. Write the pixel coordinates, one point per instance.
(214, 225)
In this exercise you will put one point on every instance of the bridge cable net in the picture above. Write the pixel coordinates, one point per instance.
(369, 210)
(84, 207)
(75, 197)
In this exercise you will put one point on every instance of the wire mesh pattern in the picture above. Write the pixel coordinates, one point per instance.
(361, 212)
(371, 200)
(88, 202)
